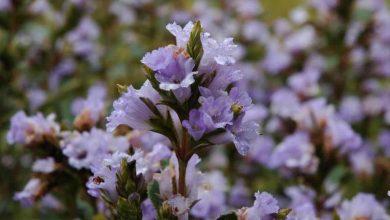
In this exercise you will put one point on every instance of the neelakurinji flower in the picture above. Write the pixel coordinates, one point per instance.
(362, 206)
(46, 165)
(88, 148)
(218, 110)
(295, 153)
(30, 193)
(198, 124)
(28, 130)
(88, 111)
(215, 53)
(211, 194)
(209, 106)
(168, 178)
(130, 110)
(172, 66)
(239, 195)
(105, 174)
(264, 205)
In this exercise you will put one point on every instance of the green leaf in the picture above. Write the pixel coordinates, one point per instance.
(194, 45)
(128, 210)
(363, 15)
(121, 88)
(151, 106)
(85, 208)
(154, 194)
(165, 212)
(128, 181)
(335, 216)
(282, 214)
(337, 173)
(164, 163)
(230, 216)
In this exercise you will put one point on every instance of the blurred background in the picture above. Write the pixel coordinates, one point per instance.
(51, 52)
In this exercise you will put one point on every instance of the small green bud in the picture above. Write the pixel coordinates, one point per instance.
(121, 88)
(282, 214)
(236, 109)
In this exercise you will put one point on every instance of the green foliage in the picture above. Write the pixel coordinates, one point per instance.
(128, 210)
(131, 189)
(230, 216)
(154, 194)
(121, 88)
(194, 45)
(282, 214)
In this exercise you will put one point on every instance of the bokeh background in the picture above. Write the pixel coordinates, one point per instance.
(51, 52)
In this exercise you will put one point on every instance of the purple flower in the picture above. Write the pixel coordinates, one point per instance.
(90, 110)
(256, 31)
(169, 174)
(212, 196)
(240, 99)
(261, 149)
(36, 97)
(384, 141)
(224, 77)
(125, 14)
(151, 161)
(215, 53)
(306, 82)
(324, 6)
(351, 109)
(148, 210)
(64, 68)
(302, 39)
(103, 178)
(295, 152)
(247, 8)
(40, 6)
(51, 202)
(264, 205)
(313, 114)
(242, 133)
(362, 206)
(26, 130)
(46, 165)
(362, 161)
(104, 173)
(83, 39)
(146, 140)
(173, 68)
(342, 136)
(276, 59)
(28, 196)
(130, 110)
(284, 103)
(300, 195)
(239, 195)
(180, 206)
(299, 15)
(305, 211)
(88, 148)
(198, 123)
(218, 109)
(182, 34)
(5, 5)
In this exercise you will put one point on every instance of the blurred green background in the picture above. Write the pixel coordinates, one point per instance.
(11, 181)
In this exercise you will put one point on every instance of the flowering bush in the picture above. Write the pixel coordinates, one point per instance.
(287, 121)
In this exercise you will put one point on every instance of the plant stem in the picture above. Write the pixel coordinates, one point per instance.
(182, 177)
(182, 158)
